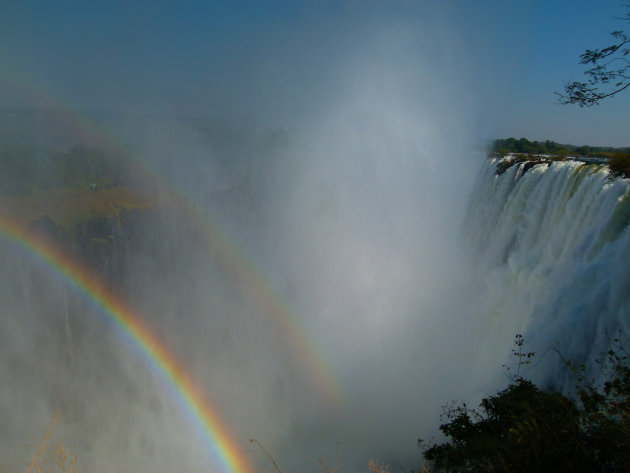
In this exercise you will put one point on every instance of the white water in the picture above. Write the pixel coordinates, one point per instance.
(552, 247)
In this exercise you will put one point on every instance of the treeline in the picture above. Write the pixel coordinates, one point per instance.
(523, 145)
(618, 158)
(26, 168)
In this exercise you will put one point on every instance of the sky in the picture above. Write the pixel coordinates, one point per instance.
(281, 62)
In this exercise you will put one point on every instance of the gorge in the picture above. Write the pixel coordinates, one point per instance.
(296, 300)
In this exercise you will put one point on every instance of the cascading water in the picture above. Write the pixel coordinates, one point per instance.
(552, 242)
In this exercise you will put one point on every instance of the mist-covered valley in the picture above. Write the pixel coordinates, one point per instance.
(271, 266)
(299, 283)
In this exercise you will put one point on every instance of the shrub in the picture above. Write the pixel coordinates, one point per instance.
(524, 428)
(619, 165)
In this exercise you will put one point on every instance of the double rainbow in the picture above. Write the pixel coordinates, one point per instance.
(201, 410)
(309, 359)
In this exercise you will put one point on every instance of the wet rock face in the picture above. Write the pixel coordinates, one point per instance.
(112, 247)
(105, 244)
(46, 228)
(102, 244)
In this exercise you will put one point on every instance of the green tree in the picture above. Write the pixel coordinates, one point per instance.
(525, 429)
(520, 429)
(608, 71)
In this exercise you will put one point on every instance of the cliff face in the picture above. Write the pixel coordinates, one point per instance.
(98, 229)
(99, 243)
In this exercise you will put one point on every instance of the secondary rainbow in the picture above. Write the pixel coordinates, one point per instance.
(201, 410)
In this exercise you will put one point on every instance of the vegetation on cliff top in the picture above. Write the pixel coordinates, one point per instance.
(523, 145)
(67, 186)
(535, 152)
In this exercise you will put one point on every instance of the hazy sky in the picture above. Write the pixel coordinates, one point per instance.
(279, 61)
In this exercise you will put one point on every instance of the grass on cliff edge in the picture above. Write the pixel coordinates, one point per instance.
(67, 207)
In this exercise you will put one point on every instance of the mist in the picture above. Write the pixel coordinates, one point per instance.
(337, 158)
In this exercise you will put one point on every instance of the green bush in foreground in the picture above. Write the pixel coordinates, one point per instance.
(526, 429)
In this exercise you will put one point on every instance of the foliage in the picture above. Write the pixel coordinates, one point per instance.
(605, 410)
(59, 462)
(520, 429)
(620, 165)
(377, 466)
(524, 428)
(502, 147)
(608, 73)
(523, 145)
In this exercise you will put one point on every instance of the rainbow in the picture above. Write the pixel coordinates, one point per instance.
(302, 348)
(200, 409)
(304, 352)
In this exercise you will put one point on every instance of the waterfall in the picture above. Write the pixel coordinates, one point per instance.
(68, 330)
(552, 243)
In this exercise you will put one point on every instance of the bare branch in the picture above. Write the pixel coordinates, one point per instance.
(609, 75)
(273, 461)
